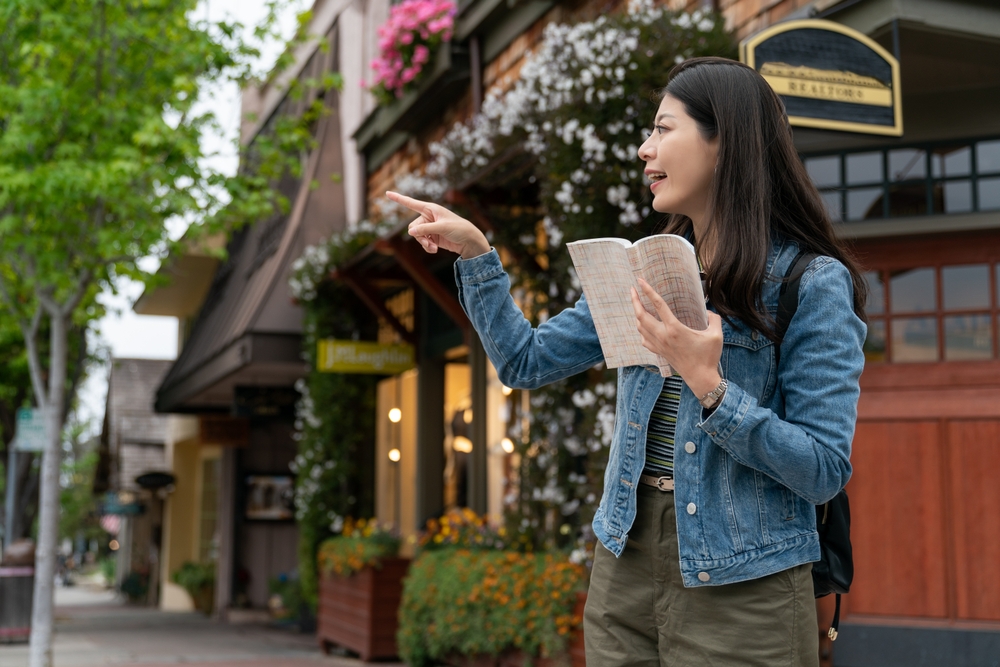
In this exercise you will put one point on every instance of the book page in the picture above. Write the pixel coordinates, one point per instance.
(669, 265)
(606, 274)
(608, 270)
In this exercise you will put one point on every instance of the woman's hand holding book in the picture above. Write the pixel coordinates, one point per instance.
(692, 354)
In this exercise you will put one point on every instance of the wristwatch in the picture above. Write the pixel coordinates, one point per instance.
(712, 398)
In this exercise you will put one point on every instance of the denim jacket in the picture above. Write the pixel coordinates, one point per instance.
(748, 474)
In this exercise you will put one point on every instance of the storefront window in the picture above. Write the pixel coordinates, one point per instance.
(824, 171)
(967, 337)
(989, 194)
(913, 291)
(914, 339)
(907, 164)
(863, 168)
(960, 326)
(988, 157)
(966, 287)
(909, 181)
(864, 203)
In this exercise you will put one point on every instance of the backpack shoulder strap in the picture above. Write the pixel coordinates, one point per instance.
(788, 297)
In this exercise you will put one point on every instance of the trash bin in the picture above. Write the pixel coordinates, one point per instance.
(17, 587)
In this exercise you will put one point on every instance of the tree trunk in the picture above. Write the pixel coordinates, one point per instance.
(48, 521)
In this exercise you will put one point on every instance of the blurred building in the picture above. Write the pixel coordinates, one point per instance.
(132, 463)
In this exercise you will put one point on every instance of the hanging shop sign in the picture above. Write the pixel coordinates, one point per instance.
(829, 76)
(121, 503)
(352, 356)
(29, 432)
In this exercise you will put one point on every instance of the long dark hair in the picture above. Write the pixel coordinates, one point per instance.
(761, 188)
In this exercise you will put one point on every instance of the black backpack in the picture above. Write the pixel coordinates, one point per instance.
(835, 570)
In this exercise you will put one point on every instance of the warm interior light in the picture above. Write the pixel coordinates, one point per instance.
(467, 416)
(462, 444)
(113, 545)
(508, 445)
(506, 390)
(395, 415)
(394, 455)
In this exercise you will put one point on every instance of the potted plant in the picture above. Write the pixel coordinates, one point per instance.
(360, 588)
(472, 601)
(198, 579)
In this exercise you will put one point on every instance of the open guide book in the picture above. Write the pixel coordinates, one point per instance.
(609, 267)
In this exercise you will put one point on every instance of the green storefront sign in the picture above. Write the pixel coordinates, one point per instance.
(352, 356)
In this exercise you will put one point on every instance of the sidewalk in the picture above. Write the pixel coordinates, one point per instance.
(93, 629)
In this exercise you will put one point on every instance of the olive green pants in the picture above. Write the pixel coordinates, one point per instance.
(639, 613)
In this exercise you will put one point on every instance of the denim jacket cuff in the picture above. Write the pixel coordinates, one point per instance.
(728, 415)
(478, 269)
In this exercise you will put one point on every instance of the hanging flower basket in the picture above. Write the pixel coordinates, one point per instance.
(414, 31)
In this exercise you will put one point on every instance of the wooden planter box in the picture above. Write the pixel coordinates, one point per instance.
(574, 657)
(359, 612)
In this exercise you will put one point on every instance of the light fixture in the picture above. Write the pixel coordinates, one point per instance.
(394, 455)
(113, 545)
(461, 444)
(395, 415)
(467, 415)
(506, 390)
(508, 445)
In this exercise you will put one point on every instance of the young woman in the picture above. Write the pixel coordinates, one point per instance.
(705, 548)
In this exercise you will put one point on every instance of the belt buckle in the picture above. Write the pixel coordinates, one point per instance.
(663, 484)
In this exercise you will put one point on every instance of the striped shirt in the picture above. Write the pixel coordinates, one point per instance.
(660, 435)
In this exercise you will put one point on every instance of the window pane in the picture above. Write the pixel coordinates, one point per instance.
(864, 168)
(876, 293)
(951, 161)
(989, 194)
(967, 337)
(966, 287)
(953, 197)
(906, 164)
(914, 339)
(912, 291)
(833, 201)
(875, 342)
(864, 203)
(824, 171)
(988, 157)
(909, 199)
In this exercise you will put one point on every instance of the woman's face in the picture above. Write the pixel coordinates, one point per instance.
(680, 162)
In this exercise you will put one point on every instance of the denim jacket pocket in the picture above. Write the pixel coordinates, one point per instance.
(748, 359)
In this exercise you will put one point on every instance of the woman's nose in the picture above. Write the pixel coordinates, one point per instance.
(646, 151)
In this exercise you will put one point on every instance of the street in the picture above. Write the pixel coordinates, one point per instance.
(93, 629)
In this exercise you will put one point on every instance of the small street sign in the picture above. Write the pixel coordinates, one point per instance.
(29, 434)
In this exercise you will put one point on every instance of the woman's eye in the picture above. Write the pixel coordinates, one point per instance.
(660, 129)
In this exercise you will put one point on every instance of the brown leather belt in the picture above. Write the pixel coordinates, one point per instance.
(661, 483)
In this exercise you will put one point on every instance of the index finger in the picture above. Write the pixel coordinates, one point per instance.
(422, 207)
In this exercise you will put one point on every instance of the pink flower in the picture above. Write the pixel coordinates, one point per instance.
(421, 54)
(406, 38)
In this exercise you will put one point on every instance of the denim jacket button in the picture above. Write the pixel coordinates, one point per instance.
(692, 508)
(704, 576)
(690, 448)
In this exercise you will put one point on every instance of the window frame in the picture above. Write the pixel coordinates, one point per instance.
(929, 180)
